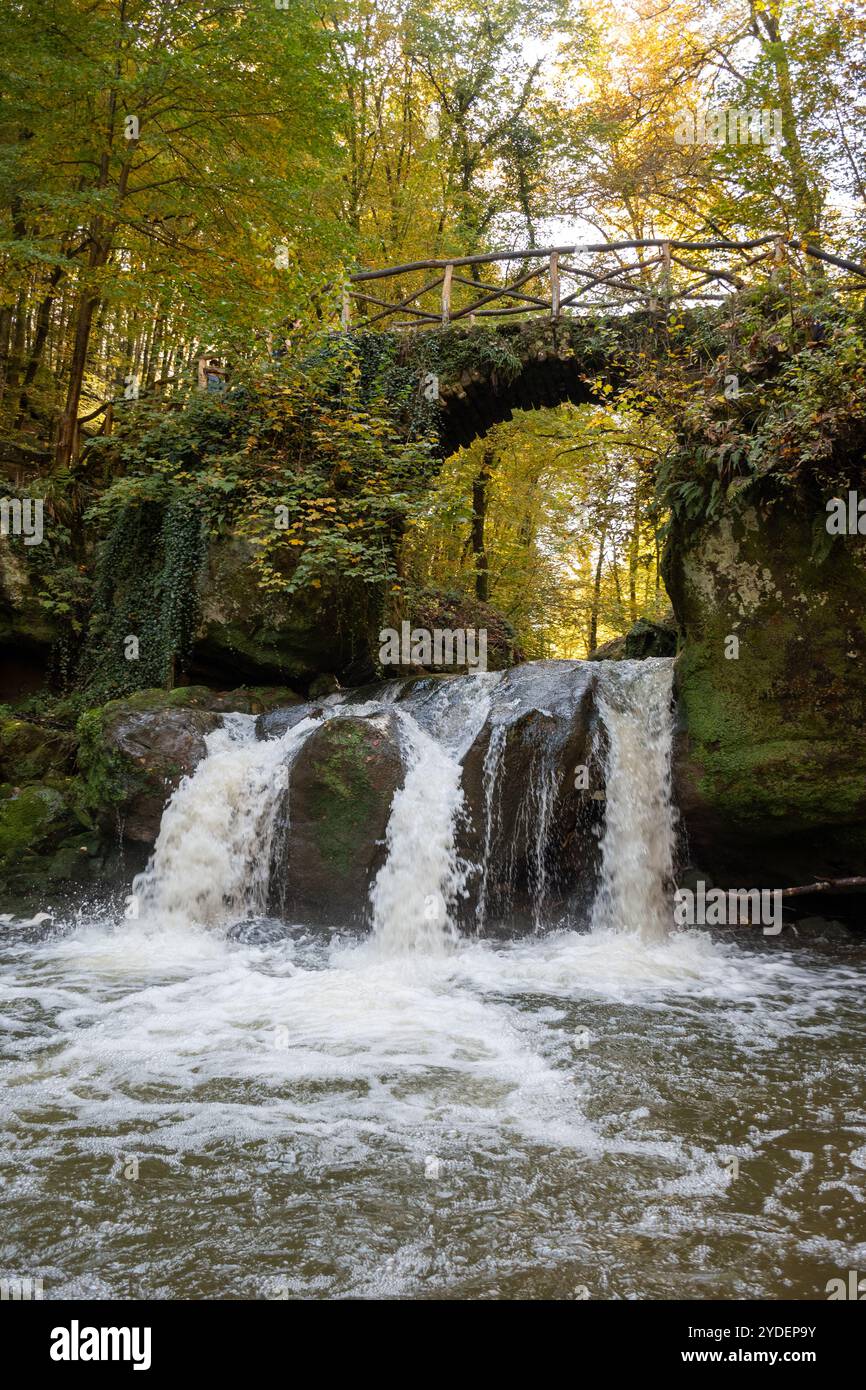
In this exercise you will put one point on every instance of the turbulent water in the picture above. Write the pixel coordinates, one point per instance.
(638, 844)
(621, 1112)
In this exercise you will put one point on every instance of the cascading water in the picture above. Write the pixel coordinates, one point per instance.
(638, 843)
(214, 851)
(211, 860)
(492, 768)
(323, 1112)
(537, 810)
(416, 890)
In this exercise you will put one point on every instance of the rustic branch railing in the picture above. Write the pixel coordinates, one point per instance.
(654, 283)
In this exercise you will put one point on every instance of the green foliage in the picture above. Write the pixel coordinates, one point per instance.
(799, 417)
(172, 227)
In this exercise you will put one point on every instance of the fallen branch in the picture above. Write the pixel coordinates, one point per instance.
(825, 886)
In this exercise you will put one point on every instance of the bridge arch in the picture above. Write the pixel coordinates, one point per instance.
(484, 378)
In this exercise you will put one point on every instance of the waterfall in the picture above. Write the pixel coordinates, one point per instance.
(213, 858)
(535, 821)
(211, 861)
(637, 846)
(416, 890)
(492, 768)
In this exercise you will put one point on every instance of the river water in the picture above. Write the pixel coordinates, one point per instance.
(196, 1109)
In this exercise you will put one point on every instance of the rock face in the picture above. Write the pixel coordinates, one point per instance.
(644, 639)
(531, 779)
(343, 782)
(26, 633)
(278, 721)
(246, 633)
(770, 770)
(33, 819)
(155, 750)
(647, 639)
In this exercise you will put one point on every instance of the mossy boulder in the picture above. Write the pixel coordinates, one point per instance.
(246, 632)
(614, 650)
(771, 683)
(31, 820)
(648, 639)
(644, 639)
(26, 631)
(22, 619)
(342, 784)
(29, 751)
(447, 611)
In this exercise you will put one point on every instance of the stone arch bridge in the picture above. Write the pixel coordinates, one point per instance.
(511, 330)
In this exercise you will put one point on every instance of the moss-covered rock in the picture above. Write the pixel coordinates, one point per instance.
(771, 766)
(449, 611)
(245, 631)
(647, 639)
(22, 618)
(644, 639)
(343, 782)
(29, 751)
(31, 820)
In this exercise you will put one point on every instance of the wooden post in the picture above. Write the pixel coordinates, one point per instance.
(347, 309)
(554, 285)
(446, 295)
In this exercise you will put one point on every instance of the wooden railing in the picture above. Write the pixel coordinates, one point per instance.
(568, 280)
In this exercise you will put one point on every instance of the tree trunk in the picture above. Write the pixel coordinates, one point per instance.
(633, 549)
(40, 337)
(66, 437)
(5, 336)
(596, 592)
(806, 200)
(479, 516)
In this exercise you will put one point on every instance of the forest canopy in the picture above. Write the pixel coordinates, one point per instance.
(191, 183)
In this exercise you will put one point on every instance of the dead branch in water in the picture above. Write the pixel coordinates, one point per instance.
(826, 885)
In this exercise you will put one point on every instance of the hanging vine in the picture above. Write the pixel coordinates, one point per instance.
(145, 601)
